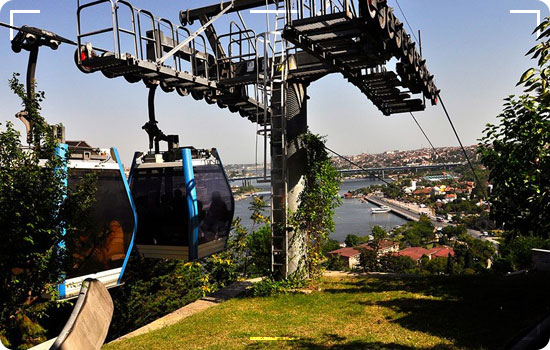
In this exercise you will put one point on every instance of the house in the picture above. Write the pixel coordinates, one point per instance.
(451, 197)
(426, 191)
(352, 255)
(416, 253)
(386, 246)
(442, 251)
(349, 255)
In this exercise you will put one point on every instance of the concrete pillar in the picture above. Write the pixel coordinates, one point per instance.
(296, 105)
(286, 197)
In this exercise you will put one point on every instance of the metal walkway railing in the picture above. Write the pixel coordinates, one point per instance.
(137, 45)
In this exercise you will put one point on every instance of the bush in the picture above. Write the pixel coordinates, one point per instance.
(335, 263)
(270, 287)
(259, 247)
(515, 253)
(355, 240)
(37, 213)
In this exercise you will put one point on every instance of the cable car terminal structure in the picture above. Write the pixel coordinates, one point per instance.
(261, 75)
(264, 76)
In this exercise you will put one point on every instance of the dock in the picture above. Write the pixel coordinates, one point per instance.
(402, 212)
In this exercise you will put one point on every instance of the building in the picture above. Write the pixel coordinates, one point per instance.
(349, 255)
(416, 253)
(352, 255)
(386, 246)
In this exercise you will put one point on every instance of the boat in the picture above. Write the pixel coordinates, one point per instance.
(382, 209)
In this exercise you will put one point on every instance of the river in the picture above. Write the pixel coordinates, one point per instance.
(351, 217)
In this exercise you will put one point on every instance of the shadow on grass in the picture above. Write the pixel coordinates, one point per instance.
(336, 342)
(472, 311)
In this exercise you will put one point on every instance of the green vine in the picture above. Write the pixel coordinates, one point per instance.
(314, 217)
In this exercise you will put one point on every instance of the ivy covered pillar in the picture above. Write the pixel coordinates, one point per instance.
(296, 128)
(288, 170)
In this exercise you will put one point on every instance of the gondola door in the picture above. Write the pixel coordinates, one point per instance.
(103, 249)
(185, 207)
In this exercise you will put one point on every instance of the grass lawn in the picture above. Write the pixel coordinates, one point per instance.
(371, 312)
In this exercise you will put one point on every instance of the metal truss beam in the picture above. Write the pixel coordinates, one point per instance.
(190, 15)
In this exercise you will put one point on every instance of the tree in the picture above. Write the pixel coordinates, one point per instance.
(368, 260)
(437, 265)
(453, 231)
(378, 234)
(330, 245)
(517, 151)
(39, 216)
(417, 233)
(351, 240)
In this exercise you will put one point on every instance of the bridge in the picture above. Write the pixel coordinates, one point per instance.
(372, 171)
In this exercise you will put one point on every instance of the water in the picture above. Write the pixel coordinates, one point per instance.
(351, 217)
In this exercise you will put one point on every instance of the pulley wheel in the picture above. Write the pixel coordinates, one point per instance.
(382, 17)
(398, 38)
(411, 53)
(373, 8)
(243, 113)
(149, 83)
(405, 43)
(181, 91)
(390, 25)
(108, 74)
(166, 88)
(83, 57)
(197, 95)
(132, 78)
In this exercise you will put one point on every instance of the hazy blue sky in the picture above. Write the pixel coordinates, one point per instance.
(475, 49)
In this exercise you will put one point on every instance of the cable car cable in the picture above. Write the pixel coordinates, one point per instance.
(426, 136)
(357, 165)
(460, 142)
(406, 20)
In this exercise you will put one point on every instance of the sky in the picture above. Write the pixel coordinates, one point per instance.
(475, 48)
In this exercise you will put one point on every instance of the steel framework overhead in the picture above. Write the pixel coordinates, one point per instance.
(263, 75)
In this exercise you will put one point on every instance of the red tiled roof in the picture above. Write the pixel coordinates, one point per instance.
(345, 252)
(426, 190)
(442, 251)
(414, 253)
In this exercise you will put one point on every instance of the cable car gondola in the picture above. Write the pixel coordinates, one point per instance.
(184, 204)
(103, 249)
(183, 199)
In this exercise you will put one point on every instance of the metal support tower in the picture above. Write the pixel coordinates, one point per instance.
(274, 90)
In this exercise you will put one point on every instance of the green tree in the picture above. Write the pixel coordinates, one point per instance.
(437, 265)
(397, 264)
(351, 240)
(417, 233)
(453, 231)
(378, 234)
(330, 245)
(38, 213)
(368, 260)
(517, 151)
